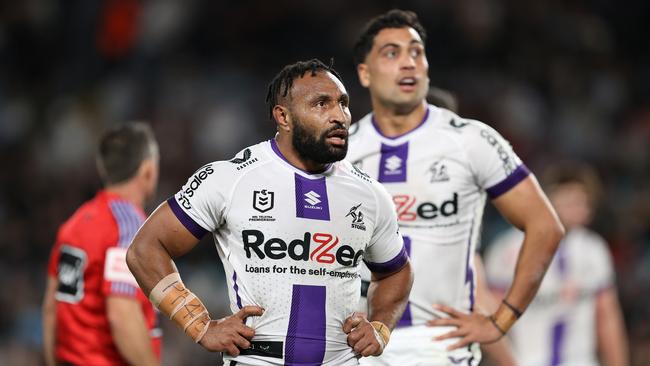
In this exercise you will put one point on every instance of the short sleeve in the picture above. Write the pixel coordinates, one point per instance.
(385, 252)
(200, 203)
(118, 279)
(495, 164)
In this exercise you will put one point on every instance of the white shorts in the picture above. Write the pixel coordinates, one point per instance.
(414, 346)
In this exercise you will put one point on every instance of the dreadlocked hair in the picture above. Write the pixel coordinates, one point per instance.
(282, 82)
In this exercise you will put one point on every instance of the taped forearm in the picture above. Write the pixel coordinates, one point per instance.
(181, 305)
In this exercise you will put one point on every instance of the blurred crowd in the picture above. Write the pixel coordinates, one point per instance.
(562, 80)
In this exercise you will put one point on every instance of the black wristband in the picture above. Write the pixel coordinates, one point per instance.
(517, 312)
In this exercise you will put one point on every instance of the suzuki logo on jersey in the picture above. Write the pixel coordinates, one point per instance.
(312, 198)
(263, 200)
(408, 210)
(393, 164)
(357, 218)
(301, 249)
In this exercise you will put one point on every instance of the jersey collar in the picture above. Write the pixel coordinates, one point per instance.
(278, 154)
(425, 118)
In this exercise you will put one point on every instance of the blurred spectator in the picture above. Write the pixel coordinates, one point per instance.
(575, 319)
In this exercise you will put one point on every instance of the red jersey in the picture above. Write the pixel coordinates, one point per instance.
(89, 261)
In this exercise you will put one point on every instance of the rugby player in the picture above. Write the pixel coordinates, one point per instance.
(94, 313)
(575, 319)
(439, 168)
(292, 224)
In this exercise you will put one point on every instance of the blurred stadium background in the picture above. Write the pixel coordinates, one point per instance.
(560, 79)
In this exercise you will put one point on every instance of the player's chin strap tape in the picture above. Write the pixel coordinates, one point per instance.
(183, 307)
(505, 316)
(382, 333)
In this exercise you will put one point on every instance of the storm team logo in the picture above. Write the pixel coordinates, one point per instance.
(357, 218)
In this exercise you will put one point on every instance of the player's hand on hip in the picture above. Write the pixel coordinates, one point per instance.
(361, 335)
(229, 334)
(470, 328)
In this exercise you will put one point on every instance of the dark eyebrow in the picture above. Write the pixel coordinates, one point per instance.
(388, 45)
(321, 97)
(397, 46)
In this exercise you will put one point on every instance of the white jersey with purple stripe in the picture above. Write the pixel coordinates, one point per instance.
(561, 318)
(439, 175)
(292, 243)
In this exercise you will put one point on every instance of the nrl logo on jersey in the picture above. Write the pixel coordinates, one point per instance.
(263, 201)
(357, 218)
(244, 161)
(438, 172)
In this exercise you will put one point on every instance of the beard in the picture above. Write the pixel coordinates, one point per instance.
(317, 149)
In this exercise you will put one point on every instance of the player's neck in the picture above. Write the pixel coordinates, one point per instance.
(128, 191)
(292, 157)
(393, 122)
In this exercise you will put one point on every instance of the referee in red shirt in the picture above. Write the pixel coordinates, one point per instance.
(94, 313)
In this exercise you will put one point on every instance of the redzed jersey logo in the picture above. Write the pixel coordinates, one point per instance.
(325, 251)
(408, 209)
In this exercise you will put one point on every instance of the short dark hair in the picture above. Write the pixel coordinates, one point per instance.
(395, 18)
(569, 172)
(282, 82)
(122, 150)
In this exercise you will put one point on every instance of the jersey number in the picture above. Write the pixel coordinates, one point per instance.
(72, 262)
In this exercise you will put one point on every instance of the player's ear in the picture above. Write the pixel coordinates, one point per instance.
(364, 75)
(282, 117)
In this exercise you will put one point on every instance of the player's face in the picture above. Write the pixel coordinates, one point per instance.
(320, 117)
(571, 201)
(396, 69)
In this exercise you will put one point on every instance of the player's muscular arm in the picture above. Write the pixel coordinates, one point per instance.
(160, 239)
(49, 320)
(387, 297)
(527, 208)
(129, 331)
(612, 340)
(388, 294)
(150, 258)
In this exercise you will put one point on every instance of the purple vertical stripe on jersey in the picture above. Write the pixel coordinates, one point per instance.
(556, 343)
(185, 219)
(469, 271)
(511, 180)
(376, 126)
(392, 164)
(236, 288)
(406, 319)
(311, 198)
(305, 342)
